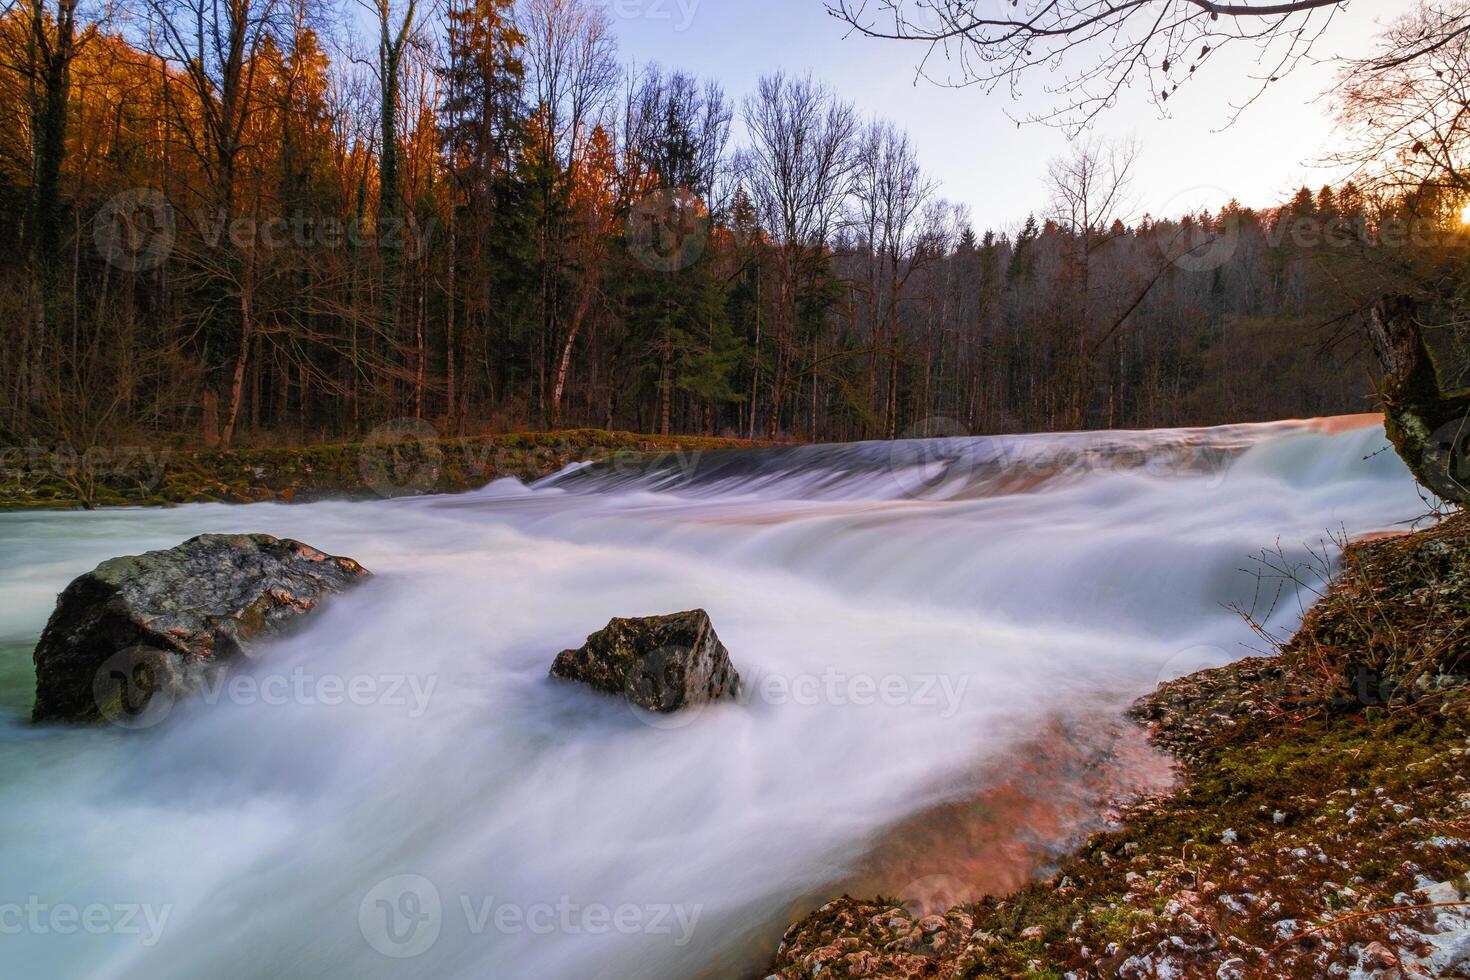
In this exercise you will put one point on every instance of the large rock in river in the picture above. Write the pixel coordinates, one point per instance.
(138, 626)
(662, 663)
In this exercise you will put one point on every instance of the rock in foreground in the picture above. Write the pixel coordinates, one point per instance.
(662, 663)
(140, 625)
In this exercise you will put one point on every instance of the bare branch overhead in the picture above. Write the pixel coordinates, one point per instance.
(1086, 52)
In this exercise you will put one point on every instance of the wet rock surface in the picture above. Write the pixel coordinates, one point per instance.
(661, 663)
(139, 625)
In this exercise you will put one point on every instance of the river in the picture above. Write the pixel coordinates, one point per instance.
(397, 789)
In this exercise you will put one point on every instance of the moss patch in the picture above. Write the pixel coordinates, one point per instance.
(45, 479)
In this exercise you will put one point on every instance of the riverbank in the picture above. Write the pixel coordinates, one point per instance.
(396, 461)
(1321, 826)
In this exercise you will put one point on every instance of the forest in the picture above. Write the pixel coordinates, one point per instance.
(261, 222)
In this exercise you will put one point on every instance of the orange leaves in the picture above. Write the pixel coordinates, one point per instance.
(595, 187)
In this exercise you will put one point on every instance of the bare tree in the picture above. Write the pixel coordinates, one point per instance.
(1090, 185)
(1406, 108)
(572, 74)
(800, 159)
(890, 210)
(1089, 196)
(677, 130)
(214, 47)
(798, 168)
(53, 40)
(396, 33)
(47, 44)
(674, 134)
(1090, 50)
(571, 63)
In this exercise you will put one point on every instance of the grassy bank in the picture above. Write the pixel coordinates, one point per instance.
(1321, 827)
(396, 463)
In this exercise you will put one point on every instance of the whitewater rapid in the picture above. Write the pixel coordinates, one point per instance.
(398, 790)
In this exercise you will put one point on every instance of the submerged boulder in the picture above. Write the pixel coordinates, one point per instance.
(662, 663)
(144, 625)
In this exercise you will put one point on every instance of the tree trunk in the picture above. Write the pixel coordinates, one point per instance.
(1429, 427)
(450, 394)
(389, 192)
(421, 353)
(36, 368)
(666, 386)
(210, 418)
(48, 126)
(755, 374)
(564, 364)
(237, 380)
(391, 224)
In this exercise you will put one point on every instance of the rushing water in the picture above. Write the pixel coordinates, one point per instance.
(397, 789)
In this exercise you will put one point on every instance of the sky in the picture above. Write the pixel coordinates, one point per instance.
(965, 139)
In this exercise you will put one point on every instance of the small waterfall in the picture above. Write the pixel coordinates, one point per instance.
(398, 789)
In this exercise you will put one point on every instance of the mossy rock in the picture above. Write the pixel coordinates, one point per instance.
(139, 626)
(661, 663)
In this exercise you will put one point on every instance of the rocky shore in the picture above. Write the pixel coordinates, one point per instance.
(1320, 828)
(400, 460)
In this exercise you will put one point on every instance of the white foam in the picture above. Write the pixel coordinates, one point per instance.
(1030, 575)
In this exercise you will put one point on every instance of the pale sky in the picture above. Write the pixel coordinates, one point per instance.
(964, 137)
